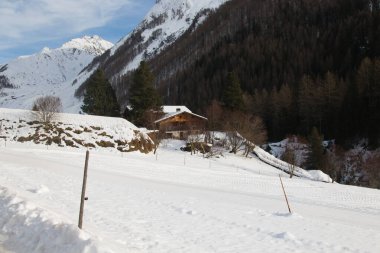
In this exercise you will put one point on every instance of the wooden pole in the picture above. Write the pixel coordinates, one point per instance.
(286, 198)
(82, 199)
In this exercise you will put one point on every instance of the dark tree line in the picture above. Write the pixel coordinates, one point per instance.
(300, 63)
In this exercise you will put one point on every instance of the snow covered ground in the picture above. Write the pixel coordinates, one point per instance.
(174, 202)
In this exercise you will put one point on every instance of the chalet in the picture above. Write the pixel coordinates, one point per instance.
(178, 121)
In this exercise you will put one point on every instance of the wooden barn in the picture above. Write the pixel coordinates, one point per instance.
(178, 121)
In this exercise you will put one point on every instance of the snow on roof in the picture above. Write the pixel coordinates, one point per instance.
(169, 115)
(175, 108)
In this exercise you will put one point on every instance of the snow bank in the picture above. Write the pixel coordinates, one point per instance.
(68, 118)
(29, 229)
(316, 175)
(73, 130)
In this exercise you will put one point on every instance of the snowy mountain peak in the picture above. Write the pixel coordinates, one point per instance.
(45, 50)
(91, 44)
(164, 6)
(49, 72)
(182, 9)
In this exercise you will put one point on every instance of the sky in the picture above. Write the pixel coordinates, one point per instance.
(27, 26)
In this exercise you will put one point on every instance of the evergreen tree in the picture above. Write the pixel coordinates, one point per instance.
(368, 84)
(142, 95)
(315, 159)
(282, 115)
(233, 95)
(100, 98)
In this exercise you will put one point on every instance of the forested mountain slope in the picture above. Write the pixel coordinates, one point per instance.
(302, 63)
(163, 24)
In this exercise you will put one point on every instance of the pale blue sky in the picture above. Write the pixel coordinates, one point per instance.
(26, 26)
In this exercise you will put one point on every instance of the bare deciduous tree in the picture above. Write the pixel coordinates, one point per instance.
(289, 157)
(196, 141)
(371, 167)
(214, 114)
(45, 108)
(256, 134)
(244, 129)
(157, 136)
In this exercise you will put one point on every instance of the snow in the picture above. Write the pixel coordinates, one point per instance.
(175, 202)
(68, 118)
(32, 229)
(51, 72)
(73, 130)
(169, 115)
(90, 44)
(277, 163)
(296, 144)
(175, 108)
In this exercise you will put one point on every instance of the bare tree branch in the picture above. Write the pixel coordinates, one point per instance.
(45, 108)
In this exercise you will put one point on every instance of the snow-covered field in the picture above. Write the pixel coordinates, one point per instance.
(174, 202)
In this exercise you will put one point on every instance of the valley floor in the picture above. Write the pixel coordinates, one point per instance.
(175, 202)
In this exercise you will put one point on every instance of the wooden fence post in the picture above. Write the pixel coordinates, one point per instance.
(83, 191)
(286, 198)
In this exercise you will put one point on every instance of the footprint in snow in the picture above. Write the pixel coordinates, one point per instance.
(290, 215)
(42, 189)
(287, 237)
(189, 212)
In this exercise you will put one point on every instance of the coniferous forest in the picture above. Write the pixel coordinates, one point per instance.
(303, 68)
(300, 63)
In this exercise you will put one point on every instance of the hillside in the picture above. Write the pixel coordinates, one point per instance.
(174, 202)
(167, 21)
(300, 64)
(49, 72)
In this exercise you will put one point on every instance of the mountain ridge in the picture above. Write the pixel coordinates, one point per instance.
(48, 72)
(166, 22)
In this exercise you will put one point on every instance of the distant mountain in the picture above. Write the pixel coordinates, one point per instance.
(50, 71)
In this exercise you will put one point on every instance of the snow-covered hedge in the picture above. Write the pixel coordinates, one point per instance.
(284, 166)
(73, 130)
